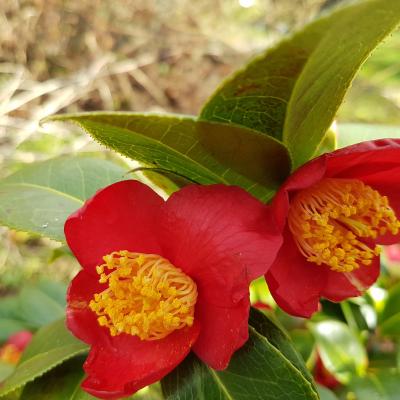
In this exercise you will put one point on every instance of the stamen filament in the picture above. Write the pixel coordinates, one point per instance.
(146, 296)
(334, 221)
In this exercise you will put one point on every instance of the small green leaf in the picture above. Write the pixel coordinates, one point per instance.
(389, 319)
(303, 341)
(55, 290)
(326, 394)
(340, 350)
(328, 73)
(9, 326)
(202, 152)
(382, 385)
(9, 306)
(328, 144)
(40, 197)
(266, 365)
(51, 346)
(349, 134)
(6, 370)
(61, 383)
(10, 320)
(38, 309)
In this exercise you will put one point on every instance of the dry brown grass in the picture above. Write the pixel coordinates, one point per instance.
(81, 55)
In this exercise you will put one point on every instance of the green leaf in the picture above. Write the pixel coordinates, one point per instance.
(55, 290)
(257, 95)
(349, 134)
(9, 326)
(61, 383)
(38, 309)
(51, 346)
(328, 143)
(329, 70)
(303, 341)
(9, 306)
(6, 370)
(200, 151)
(325, 394)
(10, 320)
(382, 385)
(389, 319)
(266, 364)
(40, 197)
(340, 350)
(270, 89)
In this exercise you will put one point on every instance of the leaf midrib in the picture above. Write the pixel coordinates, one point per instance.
(220, 384)
(44, 188)
(158, 142)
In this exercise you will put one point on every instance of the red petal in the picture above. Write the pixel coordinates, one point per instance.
(129, 364)
(82, 321)
(123, 216)
(305, 176)
(223, 238)
(340, 286)
(363, 159)
(223, 331)
(357, 161)
(294, 282)
(220, 236)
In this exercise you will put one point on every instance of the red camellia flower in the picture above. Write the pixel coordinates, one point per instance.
(333, 211)
(160, 278)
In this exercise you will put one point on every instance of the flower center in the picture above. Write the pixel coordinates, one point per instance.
(332, 221)
(146, 296)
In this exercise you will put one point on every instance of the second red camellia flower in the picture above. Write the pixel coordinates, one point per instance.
(160, 278)
(333, 211)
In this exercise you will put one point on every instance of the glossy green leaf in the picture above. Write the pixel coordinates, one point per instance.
(327, 75)
(301, 69)
(326, 394)
(37, 308)
(328, 144)
(266, 364)
(10, 320)
(349, 134)
(202, 152)
(6, 370)
(303, 341)
(61, 383)
(9, 326)
(51, 346)
(383, 384)
(257, 95)
(389, 319)
(340, 349)
(40, 197)
(55, 290)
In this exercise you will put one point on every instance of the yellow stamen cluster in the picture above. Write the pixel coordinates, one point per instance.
(333, 221)
(146, 296)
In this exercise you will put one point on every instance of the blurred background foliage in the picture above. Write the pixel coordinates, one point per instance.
(156, 55)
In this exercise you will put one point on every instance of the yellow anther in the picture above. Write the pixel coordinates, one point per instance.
(146, 296)
(332, 221)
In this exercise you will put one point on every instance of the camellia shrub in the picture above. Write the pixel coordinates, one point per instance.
(257, 195)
